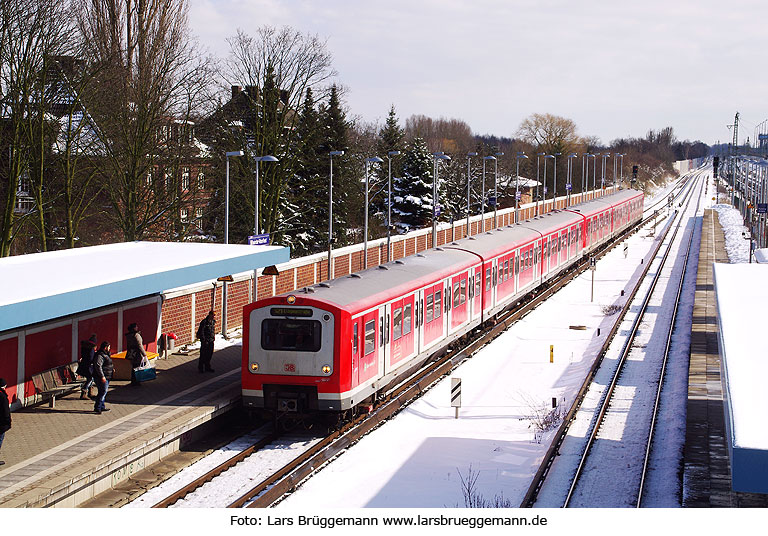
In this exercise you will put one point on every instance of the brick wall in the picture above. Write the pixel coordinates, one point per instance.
(178, 317)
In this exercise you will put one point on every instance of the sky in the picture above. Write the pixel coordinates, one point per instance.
(617, 69)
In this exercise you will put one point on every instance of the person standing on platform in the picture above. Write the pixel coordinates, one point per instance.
(102, 374)
(206, 332)
(85, 365)
(135, 352)
(5, 413)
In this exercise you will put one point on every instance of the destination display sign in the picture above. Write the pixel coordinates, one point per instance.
(290, 311)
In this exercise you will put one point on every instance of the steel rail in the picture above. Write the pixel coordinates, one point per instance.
(608, 394)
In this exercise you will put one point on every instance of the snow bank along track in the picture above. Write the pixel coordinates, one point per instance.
(603, 410)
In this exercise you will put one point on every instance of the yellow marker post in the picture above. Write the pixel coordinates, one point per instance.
(551, 353)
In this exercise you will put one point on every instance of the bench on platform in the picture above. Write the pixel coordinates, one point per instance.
(55, 382)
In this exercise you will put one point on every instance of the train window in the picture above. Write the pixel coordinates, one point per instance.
(506, 270)
(517, 265)
(428, 309)
(463, 290)
(370, 337)
(456, 296)
(354, 339)
(407, 319)
(291, 335)
(438, 303)
(478, 284)
(397, 323)
(487, 279)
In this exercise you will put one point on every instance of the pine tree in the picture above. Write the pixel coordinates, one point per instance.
(346, 192)
(412, 193)
(391, 138)
(305, 216)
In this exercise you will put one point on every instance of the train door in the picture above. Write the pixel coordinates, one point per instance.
(563, 246)
(487, 286)
(384, 340)
(357, 340)
(536, 255)
(477, 292)
(401, 330)
(371, 346)
(459, 305)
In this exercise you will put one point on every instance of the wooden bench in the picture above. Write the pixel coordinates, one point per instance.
(57, 381)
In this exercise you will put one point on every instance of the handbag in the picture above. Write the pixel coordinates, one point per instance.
(145, 374)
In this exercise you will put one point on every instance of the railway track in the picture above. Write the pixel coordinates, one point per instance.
(297, 464)
(619, 419)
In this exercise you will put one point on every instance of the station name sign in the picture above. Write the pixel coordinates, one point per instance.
(290, 311)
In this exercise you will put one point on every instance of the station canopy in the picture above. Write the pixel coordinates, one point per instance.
(44, 286)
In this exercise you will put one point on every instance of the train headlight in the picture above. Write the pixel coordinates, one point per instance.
(326, 369)
(254, 367)
(291, 299)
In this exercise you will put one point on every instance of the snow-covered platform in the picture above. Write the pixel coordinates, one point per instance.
(742, 298)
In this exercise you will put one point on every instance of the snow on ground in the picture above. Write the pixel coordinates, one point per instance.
(736, 245)
(421, 456)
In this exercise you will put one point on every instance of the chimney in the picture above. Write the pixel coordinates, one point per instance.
(236, 91)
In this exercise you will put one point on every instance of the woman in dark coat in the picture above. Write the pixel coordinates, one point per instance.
(102, 374)
(5, 414)
(135, 352)
(85, 364)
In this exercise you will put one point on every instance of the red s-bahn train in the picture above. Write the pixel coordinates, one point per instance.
(333, 346)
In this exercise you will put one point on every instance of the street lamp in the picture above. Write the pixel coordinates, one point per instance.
(267, 158)
(569, 181)
(554, 181)
(594, 174)
(390, 154)
(469, 183)
(602, 170)
(621, 167)
(482, 204)
(330, 214)
(517, 180)
(496, 188)
(372, 160)
(435, 204)
(545, 181)
(538, 181)
(226, 241)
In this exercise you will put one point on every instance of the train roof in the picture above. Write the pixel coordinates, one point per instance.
(362, 290)
(598, 205)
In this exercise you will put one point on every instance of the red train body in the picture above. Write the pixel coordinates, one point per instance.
(332, 346)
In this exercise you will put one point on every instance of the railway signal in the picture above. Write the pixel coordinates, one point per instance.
(634, 173)
(715, 165)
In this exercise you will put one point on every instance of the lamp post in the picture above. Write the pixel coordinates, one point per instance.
(435, 204)
(496, 189)
(621, 168)
(545, 181)
(538, 180)
(372, 160)
(569, 180)
(390, 154)
(330, 215)
(482, 203)
(594, 174)
(602, 170)
(469, 182)
(584, 165)
(554, 181)
(517, 181)
(226, 241)
(266, 158)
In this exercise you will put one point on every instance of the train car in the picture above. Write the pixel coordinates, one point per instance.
(337, 344)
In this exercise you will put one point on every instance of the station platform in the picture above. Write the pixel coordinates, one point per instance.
(64, 456)
(707, 471)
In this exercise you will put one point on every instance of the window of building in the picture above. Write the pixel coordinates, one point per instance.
(185, 179)
(201, 181)
(184, 214)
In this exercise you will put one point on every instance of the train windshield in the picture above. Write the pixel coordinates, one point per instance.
(291, 335)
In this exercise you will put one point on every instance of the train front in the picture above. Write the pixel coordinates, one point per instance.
(290, 363)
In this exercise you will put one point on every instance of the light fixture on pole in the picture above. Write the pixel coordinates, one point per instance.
(482, 203)
(496, 188)
(538, 180)
(517, 181)
(545, 182)
(594, 174)
(372, 160)
(554, 181)
(330, 215)
(621, 168)
(266, 158)
(390, 154)
(226, 241)
(469, 183)
(602, 170)
(569, 181)
(435, 203)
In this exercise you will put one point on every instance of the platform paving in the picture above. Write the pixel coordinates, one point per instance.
(707, 471)
(65, 455)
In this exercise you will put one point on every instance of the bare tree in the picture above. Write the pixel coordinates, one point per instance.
(147, 69)
(31, 32)
(550, 133)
